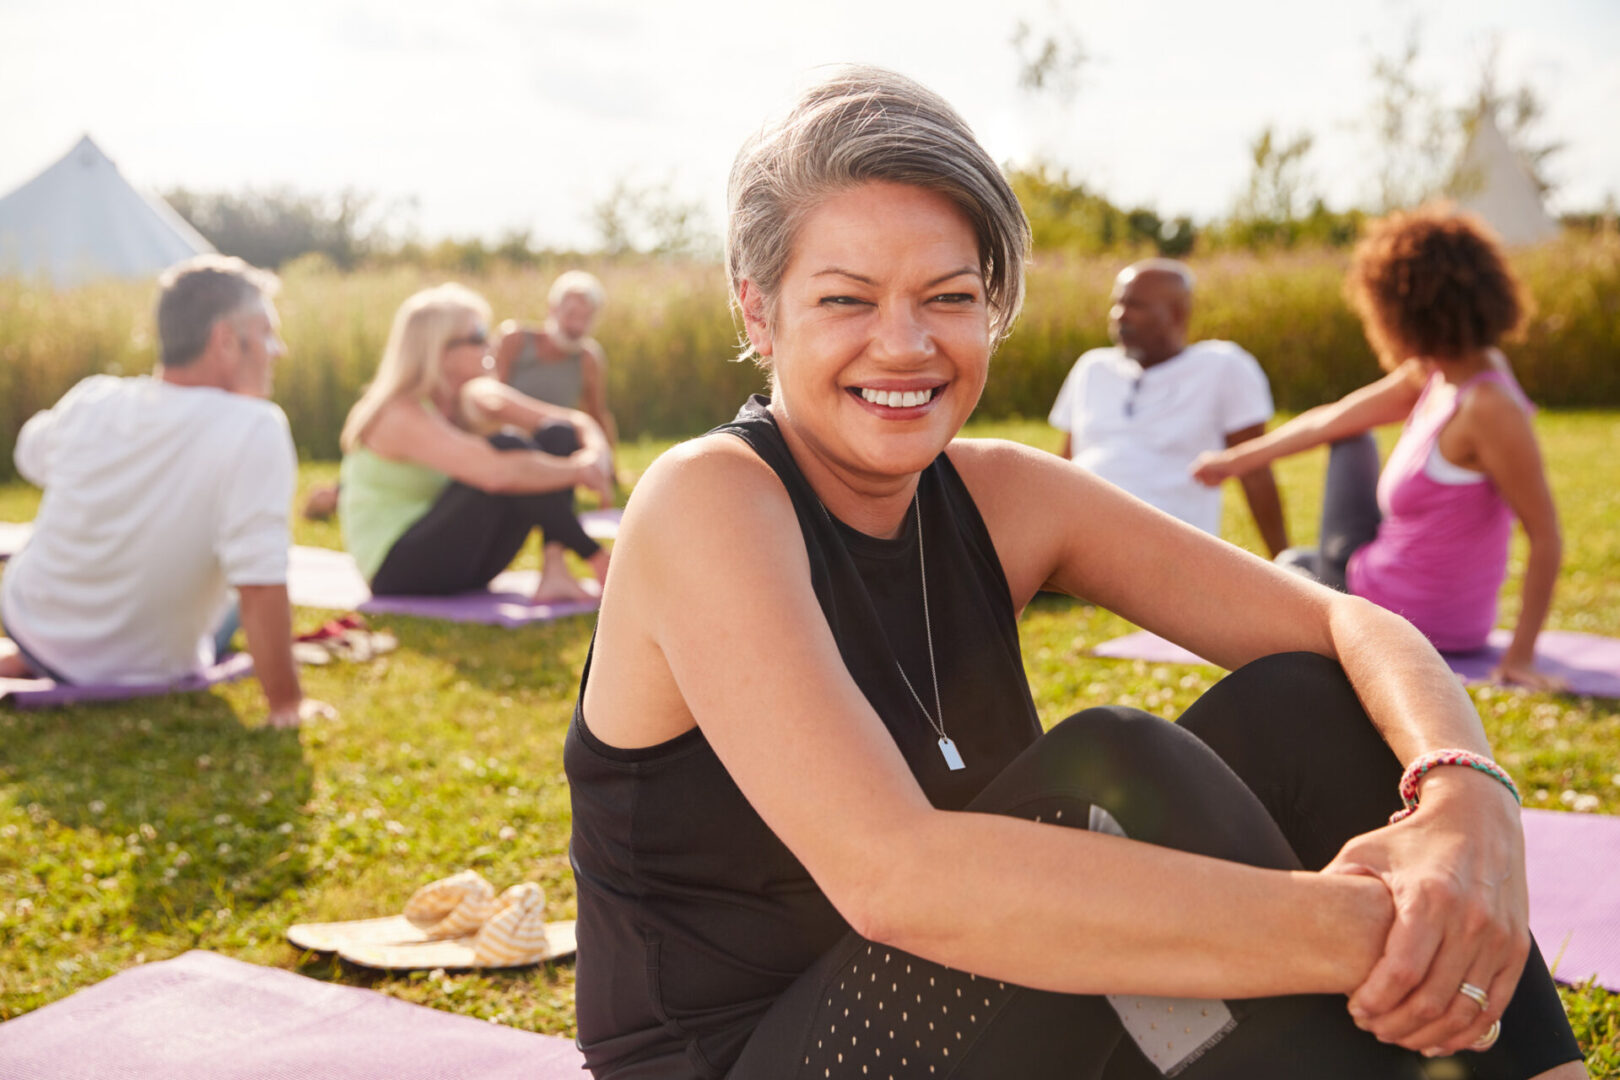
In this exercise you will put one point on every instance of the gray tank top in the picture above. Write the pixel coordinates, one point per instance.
(560, 382)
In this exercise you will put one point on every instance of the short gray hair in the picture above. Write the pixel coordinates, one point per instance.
(196, 294)
(859, 125)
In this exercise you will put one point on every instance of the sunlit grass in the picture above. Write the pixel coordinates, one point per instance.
(133, 832)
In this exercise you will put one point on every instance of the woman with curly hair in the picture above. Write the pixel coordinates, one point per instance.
(1429, 537)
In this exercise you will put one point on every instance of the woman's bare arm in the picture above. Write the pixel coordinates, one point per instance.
(492, 404)
(1384, 402)
(1456, 869)
(711, 603)
(1503, 446)
(405, 431)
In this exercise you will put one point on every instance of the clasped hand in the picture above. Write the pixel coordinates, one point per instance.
(1455, 870)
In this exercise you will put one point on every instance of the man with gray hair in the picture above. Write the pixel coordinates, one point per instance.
(163, 492)
(1139, 413)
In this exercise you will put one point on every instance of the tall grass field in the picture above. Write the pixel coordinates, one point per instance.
(133, 832)
(668, 332)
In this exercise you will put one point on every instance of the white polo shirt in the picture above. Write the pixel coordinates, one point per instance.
(156, 498)
(1140, 429)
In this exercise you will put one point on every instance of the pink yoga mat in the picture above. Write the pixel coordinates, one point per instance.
(44, 693)
(203, 1016)
(1590, 663)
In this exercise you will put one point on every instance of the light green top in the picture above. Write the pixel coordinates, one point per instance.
(378, 499)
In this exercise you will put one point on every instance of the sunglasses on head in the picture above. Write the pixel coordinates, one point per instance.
(478, 338)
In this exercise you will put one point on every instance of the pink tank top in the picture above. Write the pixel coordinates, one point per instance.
(1440, 555)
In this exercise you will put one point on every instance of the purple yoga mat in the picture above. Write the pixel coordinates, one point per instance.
(203, 1016)
(43, 693)
(1590, 663)
(1575, 894)
(321, 577)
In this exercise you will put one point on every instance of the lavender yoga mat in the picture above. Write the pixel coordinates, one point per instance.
(1590, 663)
(321, 577)
(44, 693)
(203, 1016)
(1571, 861)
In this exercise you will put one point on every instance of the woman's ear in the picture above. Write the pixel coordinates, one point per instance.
(752, 301)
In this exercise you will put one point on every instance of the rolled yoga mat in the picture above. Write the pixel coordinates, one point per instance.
(202, 1016)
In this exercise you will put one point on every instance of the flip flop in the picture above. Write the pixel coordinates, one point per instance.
(451, 907)
(517, 935)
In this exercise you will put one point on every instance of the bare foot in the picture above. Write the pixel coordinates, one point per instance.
(599, 566)
(12, 665)
(561, 589)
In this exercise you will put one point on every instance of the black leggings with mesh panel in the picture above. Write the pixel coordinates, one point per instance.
(1276, 766)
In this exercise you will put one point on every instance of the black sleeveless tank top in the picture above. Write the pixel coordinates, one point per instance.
(693, 916)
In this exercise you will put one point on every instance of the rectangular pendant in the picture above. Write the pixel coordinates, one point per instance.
(953, 760)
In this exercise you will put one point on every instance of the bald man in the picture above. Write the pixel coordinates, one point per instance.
(1137, 414)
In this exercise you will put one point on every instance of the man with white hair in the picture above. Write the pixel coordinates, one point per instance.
(561, 363)
(163, 492)
(1138, 413)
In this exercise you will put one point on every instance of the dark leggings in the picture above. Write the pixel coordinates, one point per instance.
(469, 535)
(1350, 513)
(1276, 766)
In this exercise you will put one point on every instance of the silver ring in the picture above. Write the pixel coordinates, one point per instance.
(1488, 1040)
(1476, 995)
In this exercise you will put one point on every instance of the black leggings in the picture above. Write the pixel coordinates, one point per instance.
(469, 535)
(1276, 766)
(1350, 513)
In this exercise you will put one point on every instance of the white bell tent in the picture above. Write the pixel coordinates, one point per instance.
(80, 220)
(1494, 183)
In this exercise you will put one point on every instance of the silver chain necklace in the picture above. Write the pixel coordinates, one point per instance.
(947, 748)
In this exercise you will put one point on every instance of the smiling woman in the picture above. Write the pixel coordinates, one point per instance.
(817, 828)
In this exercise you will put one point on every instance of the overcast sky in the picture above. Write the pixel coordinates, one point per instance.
(485, 116)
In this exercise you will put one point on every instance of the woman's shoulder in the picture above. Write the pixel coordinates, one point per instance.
(713, 467)
(992, 461)
(1011, 481)
(401, 427)
(1493, 401)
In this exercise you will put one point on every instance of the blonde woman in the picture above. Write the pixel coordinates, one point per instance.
(446, 470)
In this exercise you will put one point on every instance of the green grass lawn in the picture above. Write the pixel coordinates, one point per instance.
(133, 832)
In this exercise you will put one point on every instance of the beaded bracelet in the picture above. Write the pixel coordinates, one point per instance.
(1434, 758)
